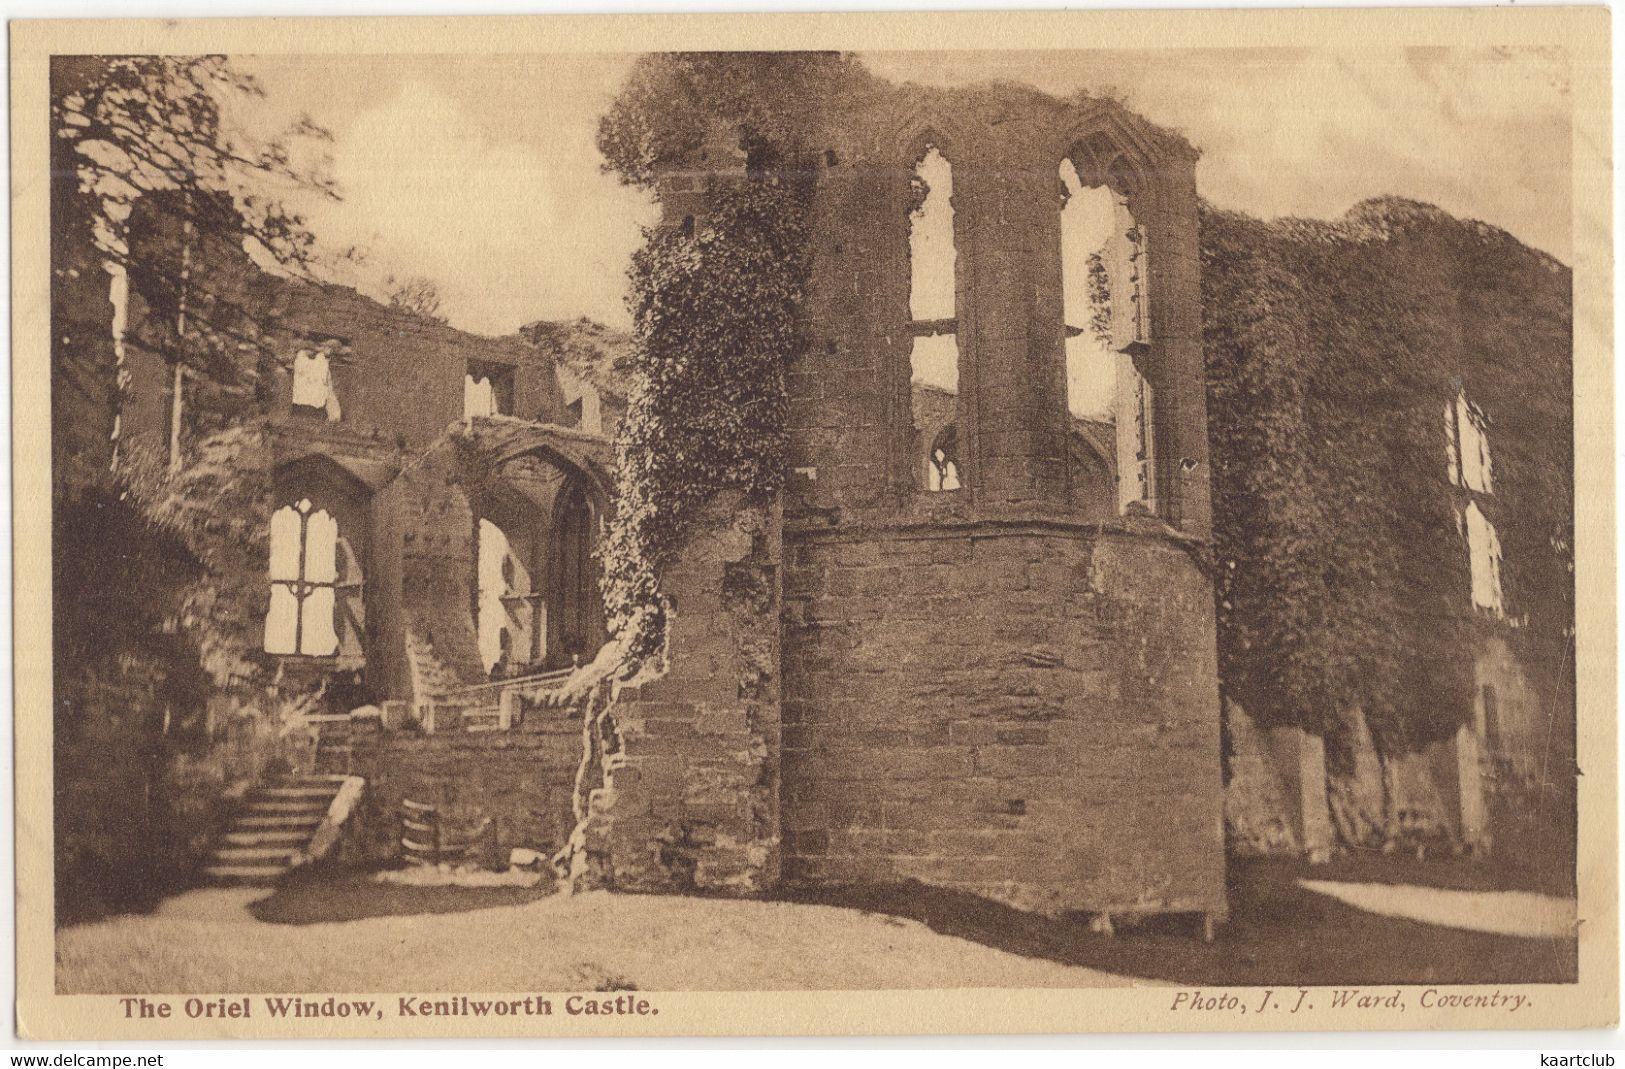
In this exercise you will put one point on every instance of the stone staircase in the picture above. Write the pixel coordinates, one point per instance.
(274, 826)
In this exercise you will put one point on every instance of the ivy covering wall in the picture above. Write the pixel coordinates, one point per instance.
(715, 305)
(1332, 350)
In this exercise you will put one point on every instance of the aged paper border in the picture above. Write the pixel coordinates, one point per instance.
(1583, 32)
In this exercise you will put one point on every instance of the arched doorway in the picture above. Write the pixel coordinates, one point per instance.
(575, 600)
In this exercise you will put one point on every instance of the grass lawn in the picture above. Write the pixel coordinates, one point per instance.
(1279, 933)
(208, 941)
(342, 931)
(326, 897)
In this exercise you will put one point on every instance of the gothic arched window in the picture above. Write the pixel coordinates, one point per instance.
(304, 575)
(933, 263)
(1106, 314)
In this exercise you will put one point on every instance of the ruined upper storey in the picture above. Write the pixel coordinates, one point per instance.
(433, 497)
(335, 364)
(1032, 260)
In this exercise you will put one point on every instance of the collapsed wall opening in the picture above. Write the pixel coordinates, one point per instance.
(315, 389)
(488, 389)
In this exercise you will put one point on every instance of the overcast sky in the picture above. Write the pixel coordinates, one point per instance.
(480, 172)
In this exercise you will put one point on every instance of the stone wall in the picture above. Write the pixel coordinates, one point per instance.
(1283, 795)
(1027, 715)
(985, 688)
(688, 795)
(1529, 747)
(522, 778)
(1275, 789)
(394, 373)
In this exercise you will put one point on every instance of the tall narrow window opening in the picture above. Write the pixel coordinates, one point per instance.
(304, 582)
(1484, 559)
(1468, 446)
(933, 315)
(1105, 311)
(1468, 466)
(576, 614)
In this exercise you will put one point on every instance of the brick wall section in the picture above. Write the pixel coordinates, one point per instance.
(523, 778)
(689, 801)
(1028, 716)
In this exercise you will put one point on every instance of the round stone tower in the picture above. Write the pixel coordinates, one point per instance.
(998, 644)
(989, 659)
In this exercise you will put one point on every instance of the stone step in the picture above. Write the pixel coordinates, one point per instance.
(303, 790)
(286, 836)
(245, 873)
(265, 807)
(236, 855)
(274, 825)
(250, 821)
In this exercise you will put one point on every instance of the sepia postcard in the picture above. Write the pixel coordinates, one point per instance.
(814, 524)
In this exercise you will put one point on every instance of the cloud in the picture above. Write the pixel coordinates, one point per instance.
(1483, 133)
(480, 173)
(510, 231)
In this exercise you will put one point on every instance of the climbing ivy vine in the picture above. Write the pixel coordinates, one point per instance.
(1331, 351)
(715, 306)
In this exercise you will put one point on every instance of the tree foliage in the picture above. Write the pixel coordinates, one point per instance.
(415, 294)
(671, 103)
(145, 622)
(1332, 349)
(146, 137)
(128, 126)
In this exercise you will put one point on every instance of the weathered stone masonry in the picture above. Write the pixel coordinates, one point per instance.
(406, 480)
(688, 760)
(988, 689)
(522, 779)
(1026, 715)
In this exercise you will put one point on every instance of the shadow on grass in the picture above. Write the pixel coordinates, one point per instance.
(330, 895)
(1540, 875)
(1278, 934)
